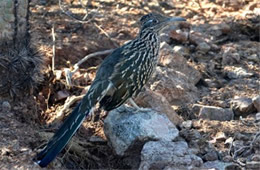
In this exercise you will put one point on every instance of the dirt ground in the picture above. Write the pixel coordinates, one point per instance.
(26, 124)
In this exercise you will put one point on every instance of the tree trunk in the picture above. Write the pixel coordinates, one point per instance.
(19, 66)
(14, 22)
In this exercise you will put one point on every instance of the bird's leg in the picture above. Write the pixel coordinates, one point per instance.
(136, 106)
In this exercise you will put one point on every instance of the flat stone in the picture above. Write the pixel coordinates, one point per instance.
(253, 165)
(242, 106)
(219, 165)
(204, 47)
(216, 113)
(210, 156)
(237, 72)
(169, 155)
(127, 129)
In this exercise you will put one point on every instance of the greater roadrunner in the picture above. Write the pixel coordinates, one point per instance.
(121, 75)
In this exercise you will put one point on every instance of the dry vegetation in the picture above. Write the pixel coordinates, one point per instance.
(234, 31)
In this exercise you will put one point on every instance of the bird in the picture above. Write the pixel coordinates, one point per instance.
(121, 76)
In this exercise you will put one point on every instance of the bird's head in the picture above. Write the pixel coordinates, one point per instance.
(156, 22)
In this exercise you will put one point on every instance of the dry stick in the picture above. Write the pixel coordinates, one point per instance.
(78, 20)
(240, 150)
(106, 34)
(53, 49)
(69, 101)
(68, 73)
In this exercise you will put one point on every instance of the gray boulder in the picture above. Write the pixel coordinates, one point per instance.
(216, 113)
(168, 155)
(127, 129)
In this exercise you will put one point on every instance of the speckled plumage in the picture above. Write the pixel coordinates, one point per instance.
(121, 76)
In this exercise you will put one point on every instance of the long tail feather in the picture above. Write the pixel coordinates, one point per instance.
(61, 137)
(96, 92)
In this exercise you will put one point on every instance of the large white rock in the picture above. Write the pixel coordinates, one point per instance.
(128, 129)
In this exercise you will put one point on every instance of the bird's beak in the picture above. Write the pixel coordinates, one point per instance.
(174, 19)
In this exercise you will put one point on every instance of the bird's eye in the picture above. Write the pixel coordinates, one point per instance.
(152, 21)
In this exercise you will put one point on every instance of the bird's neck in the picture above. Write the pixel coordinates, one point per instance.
(149, 36)
(144, 32)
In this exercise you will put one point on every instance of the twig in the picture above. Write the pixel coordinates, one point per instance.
(53, 49)
(106, 34)
(68, 73)
(78, 20)
(83, 21)
(69, 101)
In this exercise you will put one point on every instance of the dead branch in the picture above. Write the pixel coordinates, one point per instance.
(68, 73)
(69, 101)
(53, 49)
(74, 18)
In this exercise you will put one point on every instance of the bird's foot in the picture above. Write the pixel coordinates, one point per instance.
(142, 109)
(137, 108)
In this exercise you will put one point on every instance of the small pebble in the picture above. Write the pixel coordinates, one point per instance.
(6, 106)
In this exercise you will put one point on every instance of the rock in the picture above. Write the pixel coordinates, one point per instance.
(184, 51)
(186, 124)
(228, 141)
(179, 36)
(203, 47)
(233, 72)
(220, 136)
(227, 158)
(212, 83)
(220, 29)
(170, 33)
(253, 57)
(6, 106)
(128, 129)
(256, 102)
(174, 86)
(156, 101)
(257, 118)
(174, 60)
(230, 58)
(218, 165)
(242, 106)
(190, 134)
(216, 113)
(97, 139)
(169, 155)
(174, 78)
(210, 156)
(197, 37)
(253, 165)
